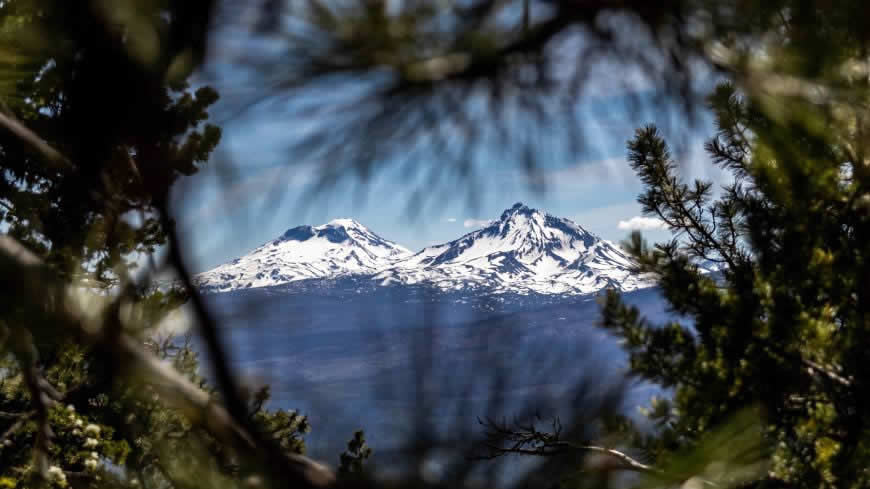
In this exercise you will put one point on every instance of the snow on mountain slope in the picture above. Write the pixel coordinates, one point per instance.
(525, 250)
(340, 247)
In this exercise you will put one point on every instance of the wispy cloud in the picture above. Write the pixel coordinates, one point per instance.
(640, 223)
(226, 197)
(693, 161)
(475, 223)
(451, 219)
(614, 170)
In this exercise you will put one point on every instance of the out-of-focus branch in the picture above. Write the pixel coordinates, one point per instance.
(506, 77)
(42, 395)
(21, 418)
(312, 474)
(207, 326)
(39, 286)
(30, 138)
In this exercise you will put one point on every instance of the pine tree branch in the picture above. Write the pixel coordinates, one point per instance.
(38, 285)
(705, 236)
(815, 369)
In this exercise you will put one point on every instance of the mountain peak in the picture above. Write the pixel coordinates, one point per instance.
(526, 250)
(345, 223)
(339, 247)
(299, 233)
(334, 231)
(518, 209)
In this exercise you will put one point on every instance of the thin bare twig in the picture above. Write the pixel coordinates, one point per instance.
(521, 439)
(528, 440)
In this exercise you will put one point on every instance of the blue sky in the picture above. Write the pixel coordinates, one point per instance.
(232, 214)
(253, 188)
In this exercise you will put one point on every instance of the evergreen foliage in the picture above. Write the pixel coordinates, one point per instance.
(88, 199)
(354, 457)
(92, 208)
(124, 435)
(97, 121)
(783, 324)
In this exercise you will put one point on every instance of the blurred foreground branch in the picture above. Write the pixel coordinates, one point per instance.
(13, 125)
(39, 287)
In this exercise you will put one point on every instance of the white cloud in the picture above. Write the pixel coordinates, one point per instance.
(451, 219)
(475, 223)
(639, 223)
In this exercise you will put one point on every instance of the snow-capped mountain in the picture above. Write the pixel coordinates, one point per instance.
(523, 251)
(339, 247)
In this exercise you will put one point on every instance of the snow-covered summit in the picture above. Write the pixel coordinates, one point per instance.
(339, 247)
(524, 250)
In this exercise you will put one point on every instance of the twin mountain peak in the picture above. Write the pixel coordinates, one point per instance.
(523, 251)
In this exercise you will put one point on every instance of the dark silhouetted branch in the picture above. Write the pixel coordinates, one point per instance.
(30, 138)
(526, 439)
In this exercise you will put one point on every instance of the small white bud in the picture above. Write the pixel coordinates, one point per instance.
(56, 474)
(92, 429)
(253, 481)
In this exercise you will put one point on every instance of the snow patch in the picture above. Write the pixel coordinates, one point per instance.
(524, 251)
